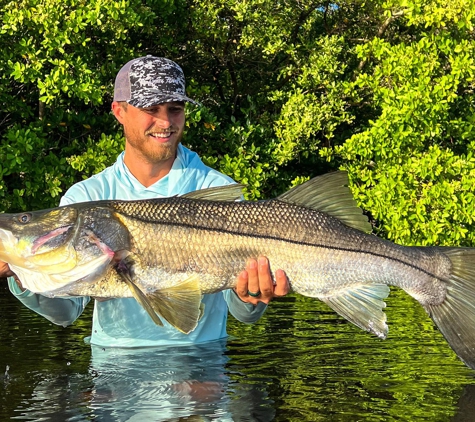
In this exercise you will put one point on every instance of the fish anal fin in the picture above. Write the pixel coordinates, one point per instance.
(363, 306)
(180, 305)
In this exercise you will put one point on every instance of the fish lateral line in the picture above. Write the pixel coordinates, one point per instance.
(298, 243)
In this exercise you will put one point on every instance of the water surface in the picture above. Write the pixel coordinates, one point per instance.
(300, 362)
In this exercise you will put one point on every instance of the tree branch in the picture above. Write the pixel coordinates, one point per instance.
(382, 29)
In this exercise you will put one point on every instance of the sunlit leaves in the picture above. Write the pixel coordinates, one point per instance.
(288, 90)
(414, 162)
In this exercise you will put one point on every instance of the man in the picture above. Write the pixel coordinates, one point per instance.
(149, 102)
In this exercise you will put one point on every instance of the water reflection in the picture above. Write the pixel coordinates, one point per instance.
(171, 383)
(301, 362)
(466, 405)
(165, 384)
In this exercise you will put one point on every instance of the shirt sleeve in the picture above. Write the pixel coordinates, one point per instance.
(60, 311)
(242, 311)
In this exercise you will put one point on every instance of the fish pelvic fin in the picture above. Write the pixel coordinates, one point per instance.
(455, 316)
(330, 194)
(140, 297)
(180, 305)
(363, 306)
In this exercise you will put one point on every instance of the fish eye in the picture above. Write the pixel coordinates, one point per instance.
(24, 218)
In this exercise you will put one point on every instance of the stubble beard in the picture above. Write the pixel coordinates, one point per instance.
(151, 151)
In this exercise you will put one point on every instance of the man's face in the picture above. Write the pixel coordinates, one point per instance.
(152, 133)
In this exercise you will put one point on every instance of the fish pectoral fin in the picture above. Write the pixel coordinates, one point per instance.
(140, 297)
(363, 306)
(180, 304)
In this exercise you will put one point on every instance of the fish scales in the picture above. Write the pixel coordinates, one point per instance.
(287, 234)
(167, 252)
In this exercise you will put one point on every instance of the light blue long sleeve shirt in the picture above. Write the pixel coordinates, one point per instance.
(123, 322)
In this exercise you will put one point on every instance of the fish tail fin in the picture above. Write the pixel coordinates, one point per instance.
(455, 316)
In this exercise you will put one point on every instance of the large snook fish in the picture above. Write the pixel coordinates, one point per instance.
(168, 252)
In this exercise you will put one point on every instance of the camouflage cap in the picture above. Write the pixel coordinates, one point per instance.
(148, 81)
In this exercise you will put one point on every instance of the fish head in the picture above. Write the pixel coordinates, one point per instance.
(39, 240)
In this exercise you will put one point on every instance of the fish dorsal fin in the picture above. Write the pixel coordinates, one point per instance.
(180, 304)
(330, 194)
(363, 306)
(227, 193)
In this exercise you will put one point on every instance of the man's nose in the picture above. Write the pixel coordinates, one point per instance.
(162, 117)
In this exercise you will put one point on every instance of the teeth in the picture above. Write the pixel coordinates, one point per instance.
(161, 134)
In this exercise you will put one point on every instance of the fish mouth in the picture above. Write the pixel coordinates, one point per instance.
(42, 240)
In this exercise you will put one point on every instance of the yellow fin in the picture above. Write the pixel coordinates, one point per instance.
(180, 304)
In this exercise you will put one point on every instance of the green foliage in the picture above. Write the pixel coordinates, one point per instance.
(288, 90)
(56, 71)
(233, 150)
(21, 149)
(412, 165)
(98, 154)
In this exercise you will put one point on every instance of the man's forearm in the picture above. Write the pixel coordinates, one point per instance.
(60, 311)
(242, 311)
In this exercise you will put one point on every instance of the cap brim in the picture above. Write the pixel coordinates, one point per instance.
(154, 99)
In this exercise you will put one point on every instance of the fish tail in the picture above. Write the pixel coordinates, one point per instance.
(455, 316)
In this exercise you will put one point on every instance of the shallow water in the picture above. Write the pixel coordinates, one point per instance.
(301, 362)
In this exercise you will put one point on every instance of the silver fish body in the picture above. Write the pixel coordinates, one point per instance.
(193, 237)
(168, 252)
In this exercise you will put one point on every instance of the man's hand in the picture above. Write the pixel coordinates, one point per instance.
(5, 270)
(255, 284)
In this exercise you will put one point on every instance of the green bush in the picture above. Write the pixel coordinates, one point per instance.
(288, 90)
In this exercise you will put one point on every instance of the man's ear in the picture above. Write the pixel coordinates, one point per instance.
(118, 111)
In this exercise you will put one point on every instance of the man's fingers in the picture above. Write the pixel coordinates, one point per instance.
(256, 283)
(5, 270)
(241, 284)
(266, 285)
(253, 284)
(281, 284)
